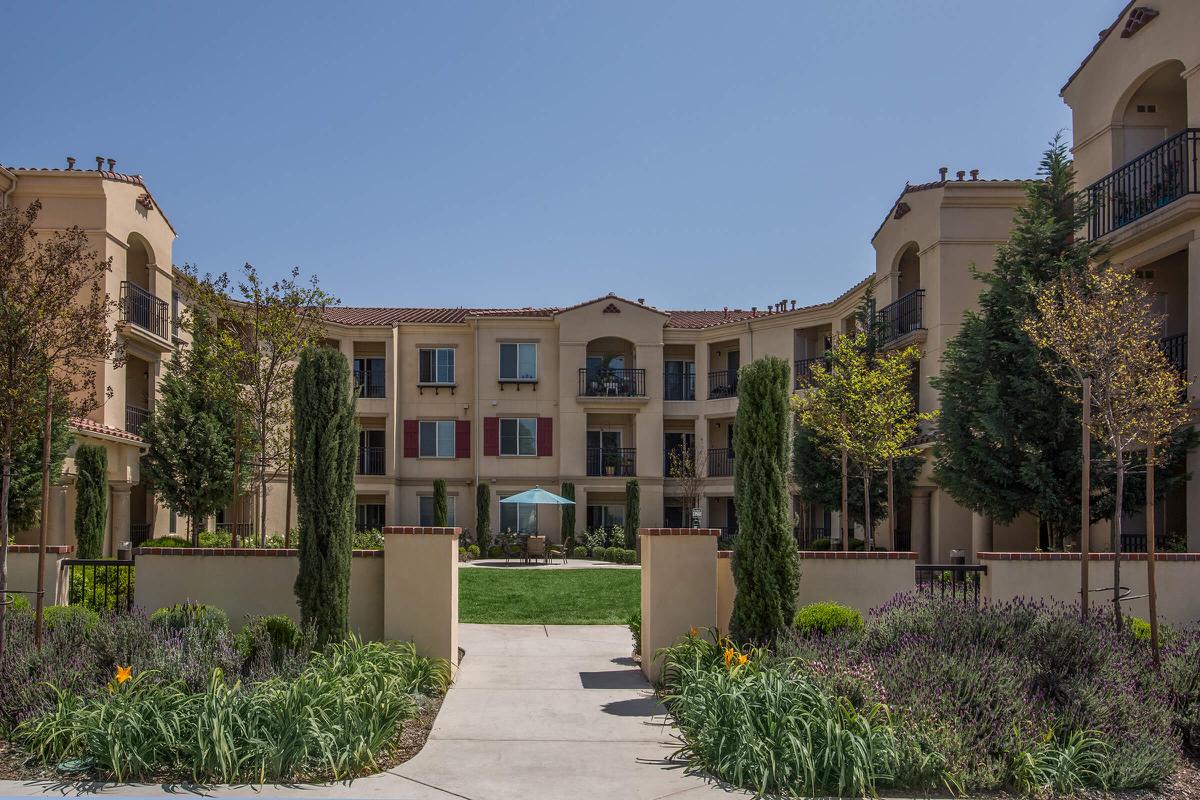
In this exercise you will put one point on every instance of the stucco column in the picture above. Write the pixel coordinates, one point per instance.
(118, 531)
(1193, 360)
(420, 589)
(59, 525)
(920, 525)
(679, 588)
(981, 536)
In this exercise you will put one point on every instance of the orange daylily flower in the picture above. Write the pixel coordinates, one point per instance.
(692, 633)
(742, 658)
(729, 655)
(124, 673)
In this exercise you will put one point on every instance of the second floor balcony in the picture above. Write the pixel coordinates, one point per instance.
(612, 382)
(612, 461)
(371, 461)
(135, 418)
(720, 462)
(1156, 178)
(142, 308)
(1175, 349)
(804, 369)
(902, 317)
(722, 383)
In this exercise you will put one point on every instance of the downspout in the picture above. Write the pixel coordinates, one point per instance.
(11, 188)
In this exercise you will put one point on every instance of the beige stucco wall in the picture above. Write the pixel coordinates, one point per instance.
(679, 588)
(420, 598)
(244, 585)
(22, 574)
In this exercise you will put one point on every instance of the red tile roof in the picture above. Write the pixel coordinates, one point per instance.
(86, 426)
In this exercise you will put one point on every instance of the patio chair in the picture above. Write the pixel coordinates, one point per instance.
(554, 551)
(535, 548)
(512, 547)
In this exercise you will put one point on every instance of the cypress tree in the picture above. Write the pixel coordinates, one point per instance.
(441, 506)
(633, 512)
(25, 494)
(326, 451)
(91, 499)
(568, 514)
(765, 567)
(483, 518)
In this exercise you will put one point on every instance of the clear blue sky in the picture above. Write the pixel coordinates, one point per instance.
(697, 154)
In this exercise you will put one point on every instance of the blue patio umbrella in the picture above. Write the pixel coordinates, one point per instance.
(538, 496)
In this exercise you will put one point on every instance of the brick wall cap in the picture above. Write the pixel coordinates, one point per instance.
(679, 531)
(857, 555)
(724, 554)
(418, 530)
(1102, 556)
(253, 552)
(33, 548)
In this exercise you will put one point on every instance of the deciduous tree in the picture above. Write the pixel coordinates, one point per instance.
(685, 466)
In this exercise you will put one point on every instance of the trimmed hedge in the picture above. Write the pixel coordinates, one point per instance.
(827, 618)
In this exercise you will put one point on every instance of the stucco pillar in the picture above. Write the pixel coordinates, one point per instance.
(679, 588)
(118, 531)
(1193, 360)
(420, 589)
(58, 532)
(921, 540)
(981, 536)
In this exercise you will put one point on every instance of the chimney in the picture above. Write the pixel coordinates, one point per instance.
(112, 165)
(942, 171)
(754, 311)
(70, 162)
(962, 173)
(974, 174)
(99, 163)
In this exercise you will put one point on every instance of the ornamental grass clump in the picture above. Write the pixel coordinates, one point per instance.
(333, 720)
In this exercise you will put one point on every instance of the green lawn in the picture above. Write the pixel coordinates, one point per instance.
(550, 597)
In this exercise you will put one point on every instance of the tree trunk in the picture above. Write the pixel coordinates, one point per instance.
(1152, 588)
(287, 506)
(262, 488)
(1085, 518)
(891, 492)
(1116, 541)
(845, 521)
(43, 534)
(235, 505)
(5, 488)
(868, 532)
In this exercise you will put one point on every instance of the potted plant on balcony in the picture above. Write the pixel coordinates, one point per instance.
(610, 458)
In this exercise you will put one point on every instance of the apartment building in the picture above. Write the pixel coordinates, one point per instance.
(1135, 107)
(124, 223)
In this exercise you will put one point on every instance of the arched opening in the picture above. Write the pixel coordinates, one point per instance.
(908, 270)
(1154, 110)
(611, 369)
(138, 259)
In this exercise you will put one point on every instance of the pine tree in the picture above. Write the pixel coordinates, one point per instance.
(483, 517)
(326, 451)
(765, 567)
(633, 512)
(189, 435)
(91, 499)
(441, 505)
(568, 514)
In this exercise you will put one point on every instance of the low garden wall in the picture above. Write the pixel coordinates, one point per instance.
(1054, 577)
(22, 569)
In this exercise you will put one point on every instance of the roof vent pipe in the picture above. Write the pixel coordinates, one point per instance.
(793, 305)
(974, 174)
(99, 163)
(70, 162)
(112, 165)
(962, 173)
(942, 171)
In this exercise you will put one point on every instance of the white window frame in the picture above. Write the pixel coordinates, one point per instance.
(521, 510)
(518, 378)
(438, 426)
(427, 521)
(517, 421)
(437, 366)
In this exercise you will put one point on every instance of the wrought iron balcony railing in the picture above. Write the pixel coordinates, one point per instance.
(1175, 349)
(1156, 178)
(720, 462)
(722, 383)
(679, 386)
(369, 383)
(371, 460)
(608, 382)
(804, 369)
(614, 461)
(142, 308)
(135, 418)
(901, 317)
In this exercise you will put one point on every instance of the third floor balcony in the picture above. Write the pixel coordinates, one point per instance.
(1146, 183)
(902, 317)
(612, 382)
(141, 308)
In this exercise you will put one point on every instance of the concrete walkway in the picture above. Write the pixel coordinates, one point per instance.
(538, 712)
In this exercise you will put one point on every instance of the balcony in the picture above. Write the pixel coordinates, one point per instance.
(370, 461)
(609, 382)
(612, 461)
(369, 383)
(899, 319)
(722, 383)
(1175, 349)
(804, 368)
(678, 386)
(720, 462)
(135, 418)
(1156, 178)
(144, 310)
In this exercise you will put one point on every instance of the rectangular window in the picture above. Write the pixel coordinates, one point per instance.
(518, 518)
(368, 516)
(368, 377)
(437, 438)
(518, 436)
(426, 511)
(437, 365)
(605, 516)
(518, 361)
(371, 452)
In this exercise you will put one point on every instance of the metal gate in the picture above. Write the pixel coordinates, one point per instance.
(99, 584)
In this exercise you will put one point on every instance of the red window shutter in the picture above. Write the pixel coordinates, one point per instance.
(545, 436)
(412, 432)
(462, 438)
(491, 436)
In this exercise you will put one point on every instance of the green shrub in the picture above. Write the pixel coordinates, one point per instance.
(827, 618)
(167, 541)
(635, 630)
(368, 540)
(857, 544)
(277, 631)
(495, 551)
(579, 552)
(56, 617)
(217, 539)
(19, 602)
(209, 619)
(473, 550)
(819, 544)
